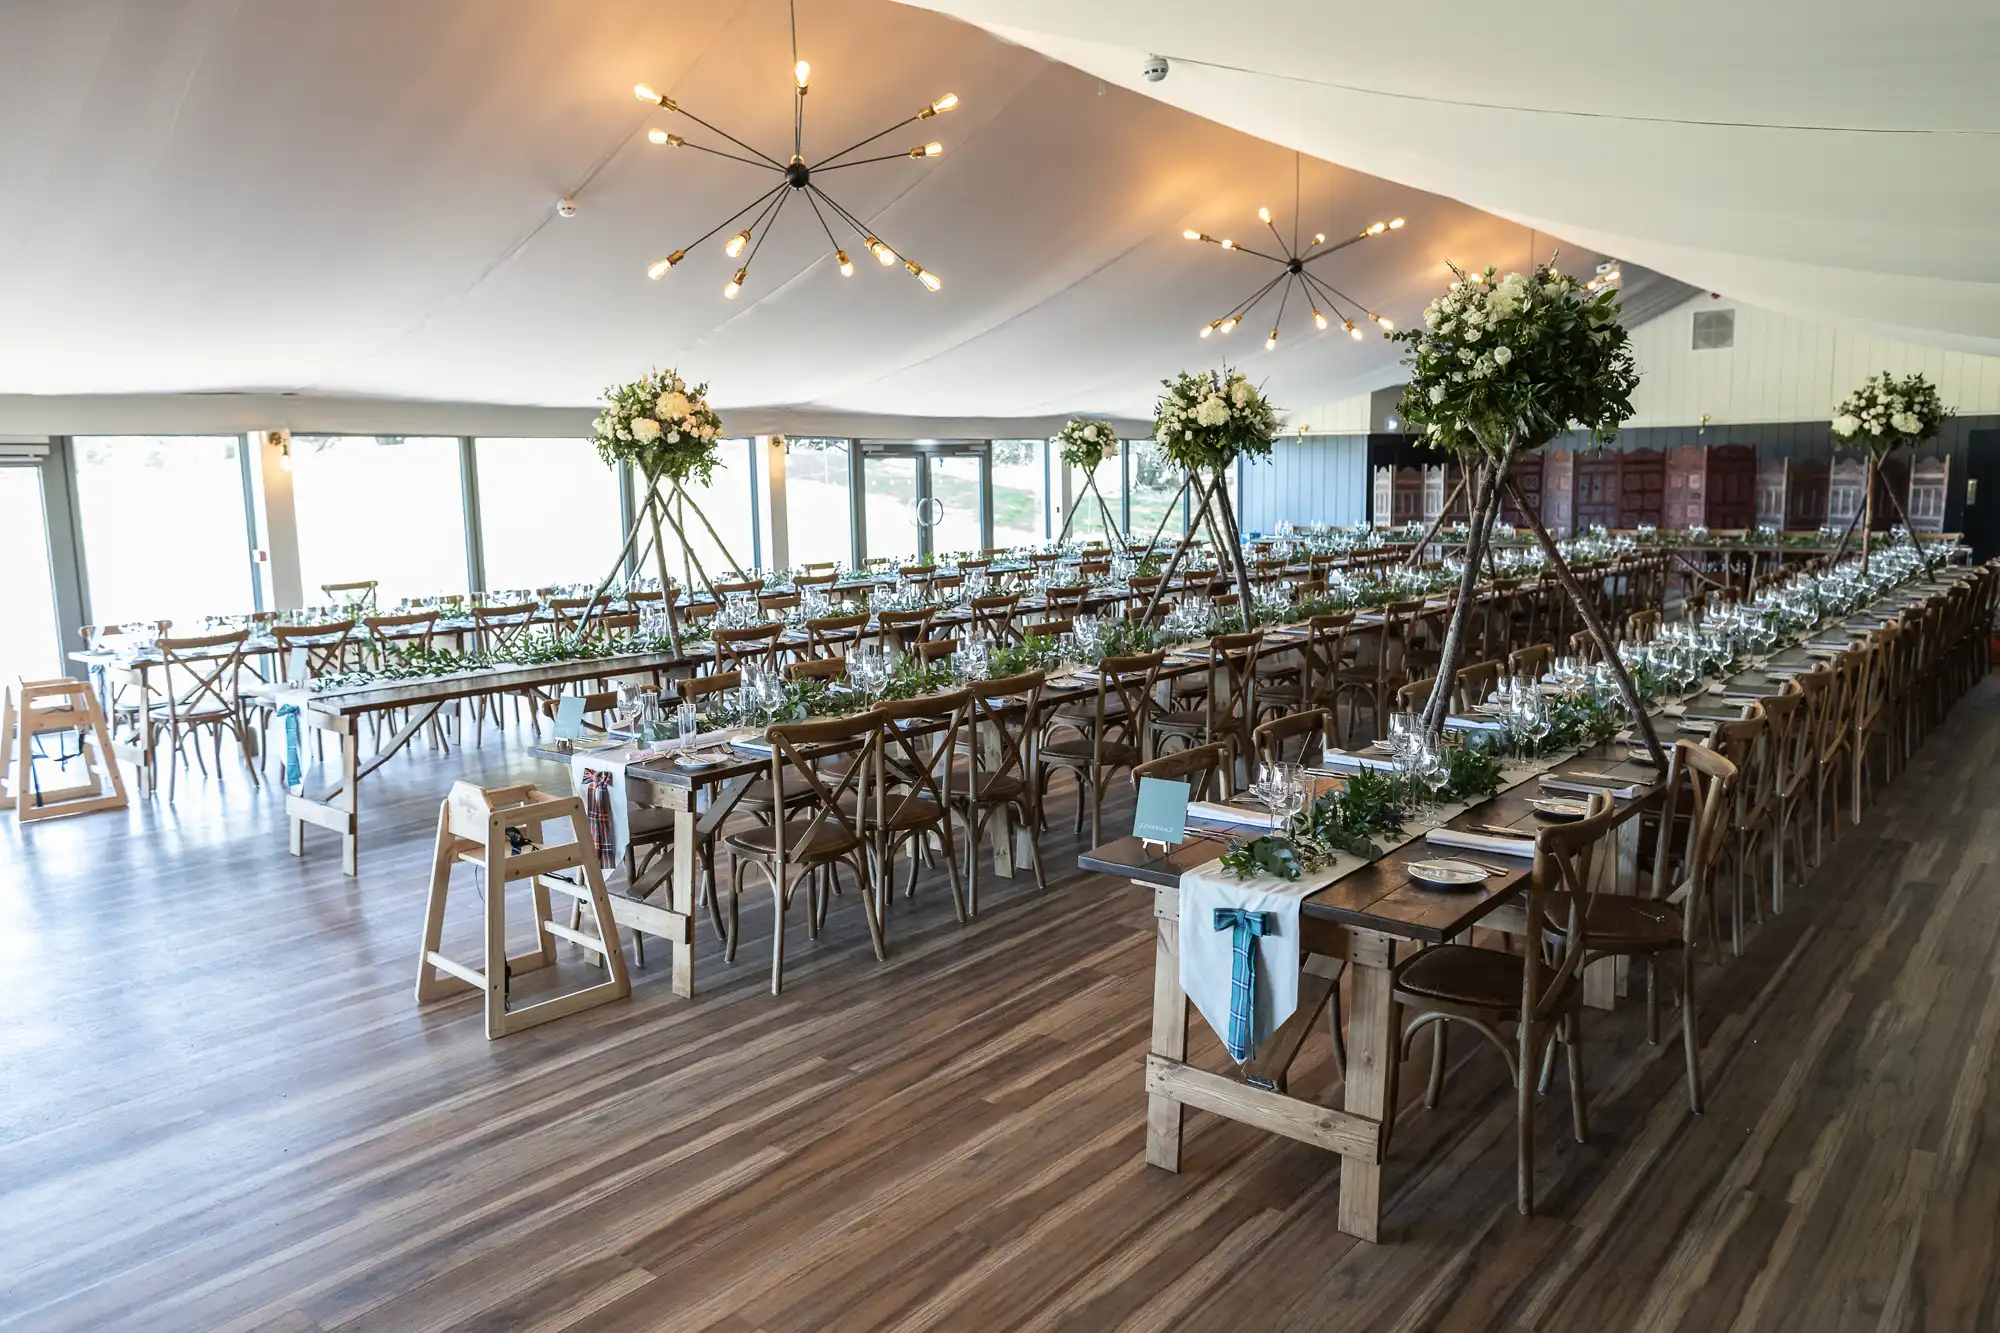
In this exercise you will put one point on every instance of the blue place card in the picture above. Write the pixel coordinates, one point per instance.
(1161, 815)
(296, 666)
(569, 717)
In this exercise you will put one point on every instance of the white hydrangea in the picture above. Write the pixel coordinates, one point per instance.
(1846, 424)
(645, 428)
(1212, 411)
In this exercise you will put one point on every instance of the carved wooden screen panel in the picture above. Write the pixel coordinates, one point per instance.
(1843, 490)
(1408, 506)
(1687, 471)
(1771, 477)
(1559, 492)
(1806, 496)
(1527, 476)
(1929, 481)
(1383, 503)
(1732, 486)
(1642, 488)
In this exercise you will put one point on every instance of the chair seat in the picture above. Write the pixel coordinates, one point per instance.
(921, 812)
(830, 840)
(997, 788)
(1620, 923)
(1464, 975)
(1078, 751)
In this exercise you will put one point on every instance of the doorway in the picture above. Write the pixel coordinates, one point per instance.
(925, 500)
(30, 645)
(1982, 493)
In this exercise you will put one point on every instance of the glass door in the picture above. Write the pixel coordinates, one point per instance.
(29, 643)
(923, 500)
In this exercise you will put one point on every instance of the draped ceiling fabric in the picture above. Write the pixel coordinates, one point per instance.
(356, 200)
(1833, 158)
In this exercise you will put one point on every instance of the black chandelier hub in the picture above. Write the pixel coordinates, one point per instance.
(798, 175)
(1296, 266)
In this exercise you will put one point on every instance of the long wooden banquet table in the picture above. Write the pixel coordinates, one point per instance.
(1357, 919)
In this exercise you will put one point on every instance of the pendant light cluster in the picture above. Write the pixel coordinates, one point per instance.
(795, 178)
(1293, 262)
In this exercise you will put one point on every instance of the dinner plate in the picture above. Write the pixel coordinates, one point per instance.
(1447, 871)
(1557, 807)
(696, 760)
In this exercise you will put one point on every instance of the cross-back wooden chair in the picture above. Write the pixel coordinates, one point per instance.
(1002, 721)
(1747, 745)
(1583, 645)
(832, 636)
(198, 688)
(726, 588)
(1871, 711)
(823, 775)
(903, 630)
(828, 669)
(1065, 601)
(567, 612)
(936, 650)
(1474, 684)
(1205, 768)
(500, 628)
(1835, 756)
(1667, 920)
(119, 710)
(994, 616)
(1532, 661)
(1112, 730)
(1308, 676)
(329, 647)
(1790, 747)
(779, 603)
(361, 592)
(816, 582)
(1093, 567)
(1047, 629)
(1299, 738)
(919, 745)
(1539, 990)
(1380, 665)
(1221, 703)
(1643, 626)
(753, 645)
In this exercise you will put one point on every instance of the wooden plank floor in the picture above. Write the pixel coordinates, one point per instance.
(220, 1109)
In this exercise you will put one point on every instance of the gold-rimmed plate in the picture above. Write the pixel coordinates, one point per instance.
(1448, 872)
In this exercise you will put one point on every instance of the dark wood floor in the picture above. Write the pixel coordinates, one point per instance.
(220, 1109)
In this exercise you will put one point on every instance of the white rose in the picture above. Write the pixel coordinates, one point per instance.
(1502, 355)
(1239, 393)
(1472, 335)
(1090, 432)
(1187, 435)
(1437, 393)
(1465, 354)
(673, 437)
(1905, 423)
(1845, 424)
(645, 428)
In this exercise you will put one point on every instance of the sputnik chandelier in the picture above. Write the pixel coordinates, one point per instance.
(796, 177)
(1293, 262)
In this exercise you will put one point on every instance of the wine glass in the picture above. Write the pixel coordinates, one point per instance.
(1275, 783)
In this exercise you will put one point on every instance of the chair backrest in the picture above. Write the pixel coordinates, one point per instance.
(354, 594)
(1093, 569)
(1474, 684)
(834, 798)
(1563, 856)
(822, 581)
(1230, 706)
(936, 650)
(832, 636)
(1065, 601)
(1321, 654)
(1642, 626)
(917, 761)
(502, 627)
(1202, 767)
(1399, 628)
(727, 588)
(1746, 744)
(778, 601)
(994, 616)
(325, 646)
(1411, 697)
(1533, 661)
(1790, 741)
(1681, 874)
(1583, 644)
(566, 612)
(414, 629)
(902, 630)
(1004, 719)
(1129, 682)
(754, 645)
(1307, 727)
(200, 673)
(1047, 629)
(697, 688)
(829, 669)
(598, 701)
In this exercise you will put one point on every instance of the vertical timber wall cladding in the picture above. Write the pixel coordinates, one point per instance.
(1307, 480)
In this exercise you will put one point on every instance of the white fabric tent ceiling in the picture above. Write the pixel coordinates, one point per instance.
(1822, 157)
(357, 199)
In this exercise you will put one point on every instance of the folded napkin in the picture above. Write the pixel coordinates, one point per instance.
(1457, 723)
(1578, 785)
(1481, 842)
(1215, 812)
(1340, 759)
(600, 779)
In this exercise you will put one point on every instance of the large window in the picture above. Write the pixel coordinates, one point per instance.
(164, 534)
(819, 523)
(1020, 488)
(1089, 522)
(28, 643)
(384, 507)
(1156, 485)
(730, 503)
(548, 512)
(954, 505)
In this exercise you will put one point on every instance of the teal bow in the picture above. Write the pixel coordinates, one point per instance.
(1245, 927)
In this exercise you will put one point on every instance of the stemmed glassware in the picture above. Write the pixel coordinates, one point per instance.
(1281, 789)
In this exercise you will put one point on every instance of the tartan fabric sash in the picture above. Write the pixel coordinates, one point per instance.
(1246, 927)
(293, 774)
(597, 809)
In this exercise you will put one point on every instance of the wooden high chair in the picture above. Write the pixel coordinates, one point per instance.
(46, 707)
(473, 827)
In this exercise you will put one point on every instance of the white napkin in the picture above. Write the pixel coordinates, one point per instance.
(1481, 842)
(1207, 961)
(1457, 723)
(613, 762)
(1589, 786)
(1341, 759)
(1215, 812)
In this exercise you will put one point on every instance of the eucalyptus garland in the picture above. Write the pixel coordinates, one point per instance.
(419, 663)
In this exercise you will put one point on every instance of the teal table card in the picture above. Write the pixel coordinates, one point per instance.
(1161, 815)
(569, 717)
(295, 666)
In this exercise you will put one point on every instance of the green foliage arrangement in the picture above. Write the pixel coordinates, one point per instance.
(1085, 442)
(1886, 412)
(1207, 419)
(661, 426)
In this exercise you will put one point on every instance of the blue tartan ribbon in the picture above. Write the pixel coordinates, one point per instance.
(1245, 927)
(293, 773)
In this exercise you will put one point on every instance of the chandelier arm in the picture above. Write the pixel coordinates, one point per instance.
(822, 221)
(1316, 253)
(1342, 295)
(861, 162)
(683, 111)
(910, 120)
(1279, 238)
(859, 226)
(769, 221)
(1275, 259)
(1283, 297)
(1243, 308)
(1334, 297)
(747, 161)
(799, 95)
(733, 216)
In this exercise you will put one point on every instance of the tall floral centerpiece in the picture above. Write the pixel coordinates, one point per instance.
(664, 428)
(1498, 368)
(1083, 443)
(1881, 416)
(1205, 421)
